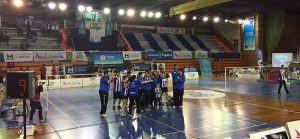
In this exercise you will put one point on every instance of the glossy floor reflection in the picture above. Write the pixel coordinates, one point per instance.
(74, 114)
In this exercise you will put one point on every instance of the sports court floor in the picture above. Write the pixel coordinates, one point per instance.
(248, 107)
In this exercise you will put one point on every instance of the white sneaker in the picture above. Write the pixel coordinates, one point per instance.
(174, 107)
(103, 115)
(130, 115)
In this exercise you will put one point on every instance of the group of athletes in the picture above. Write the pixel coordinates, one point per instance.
(143, 91)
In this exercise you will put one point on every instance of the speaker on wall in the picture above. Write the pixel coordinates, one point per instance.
(20, 84)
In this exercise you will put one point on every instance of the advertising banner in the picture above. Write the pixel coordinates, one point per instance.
(165, 55)
(76, 69)
(69, 83)
(190, 70)
(201, 54)
(79, 56)
(40, 56)
(294, 129)
(131, 55)
(182, 55)
(249, 33)
(191, 75)
(277, 133)
(152, 55)
(92, 81)
(53, 84)
(17, 56)
(143, 67)
(205, 66)
(171, 30)
(108, 58)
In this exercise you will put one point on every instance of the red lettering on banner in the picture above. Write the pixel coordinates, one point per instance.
(298, 134)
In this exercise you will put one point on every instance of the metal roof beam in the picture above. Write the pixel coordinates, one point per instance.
(194, 5)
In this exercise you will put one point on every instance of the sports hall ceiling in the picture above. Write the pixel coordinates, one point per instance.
(231, 9)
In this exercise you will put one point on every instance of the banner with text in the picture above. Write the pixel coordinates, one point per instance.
(294, 129)
(171, 30)
(205, 66)
(182, 55)
(132, 55)
(92, 81)
(249, 33)
(108, 58)
(69, 83)
(40, 56)
(17, 56)
(76, 69)
(201, 54)
(162, 55)
(76, 56)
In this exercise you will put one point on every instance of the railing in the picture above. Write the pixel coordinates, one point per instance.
(224, 40)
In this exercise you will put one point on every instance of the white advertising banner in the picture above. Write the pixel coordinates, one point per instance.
(294, 129)
(131, 55)
(18, 56)
(53, 84)
(201, 54)
(277, 133)
(92, 81)
(49, 55)
(182, 55)
(191, 75)
(171, 30)
(79, 56)
(69, 83)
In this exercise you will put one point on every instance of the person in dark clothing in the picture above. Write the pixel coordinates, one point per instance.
(154, 66)
(43, 72)
(35, 103)
(282, 80)
(6, 38)
(179, 89)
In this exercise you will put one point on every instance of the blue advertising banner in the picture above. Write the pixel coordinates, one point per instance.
(108, 58)
(249, 33)
(76, 69)
(143, 67)
(159, 55)
(166, 55)
(205, 66)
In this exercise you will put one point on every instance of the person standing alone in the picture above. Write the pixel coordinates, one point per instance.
(282, 80)
(179, 91)
(103, 92)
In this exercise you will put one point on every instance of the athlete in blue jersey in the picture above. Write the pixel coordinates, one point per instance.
(146, 90)
(134, 95)
(179, 91)
(117, 90)
(103, 92)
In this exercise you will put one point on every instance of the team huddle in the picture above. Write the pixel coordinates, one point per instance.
(145, 90)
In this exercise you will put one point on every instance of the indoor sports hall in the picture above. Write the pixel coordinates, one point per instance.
(123, 69)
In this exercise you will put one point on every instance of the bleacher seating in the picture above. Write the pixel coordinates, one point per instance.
(82, 41)
(42, 42)
(174, 42)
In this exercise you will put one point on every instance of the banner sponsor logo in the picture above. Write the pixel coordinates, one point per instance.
(132, 55)
(53, 84)
(159, 55)
(191, 75)
(69, 83)
(294, 129)
(171, 30)
(76, 69)
(92, 81)
(143, 67)
(79, 56)
(108, 58)
(205, 66)
(201, 54)
(49, 56)
(249, 33)
(17, 56)
(182, 54)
